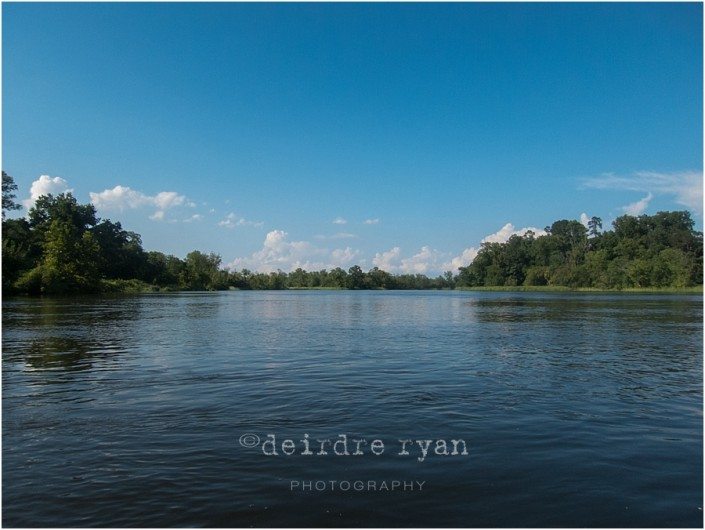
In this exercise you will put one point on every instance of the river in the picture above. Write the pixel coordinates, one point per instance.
(577, 409)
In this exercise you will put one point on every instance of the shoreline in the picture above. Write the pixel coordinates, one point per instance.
(697, 289)
(133, 289)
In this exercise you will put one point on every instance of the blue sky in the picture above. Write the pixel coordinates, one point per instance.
(248, 129)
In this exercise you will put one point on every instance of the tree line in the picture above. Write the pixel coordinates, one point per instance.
(660, 250)
(62, 247)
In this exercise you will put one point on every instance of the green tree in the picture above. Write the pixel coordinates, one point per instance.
(355, 278)
(121, 251)
(71, 260)
(202, 272)
(8, 197)
(537, 275)
(594, 226)
(18, 253)
(63, 208)
(298, 278)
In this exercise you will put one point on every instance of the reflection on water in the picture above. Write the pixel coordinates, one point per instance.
(579, 409)
(68, 334)
(66, 353)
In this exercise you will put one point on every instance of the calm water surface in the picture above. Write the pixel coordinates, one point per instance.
(578, 409)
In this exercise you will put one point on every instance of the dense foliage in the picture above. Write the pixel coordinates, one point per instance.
(63, 247)
(659, 250)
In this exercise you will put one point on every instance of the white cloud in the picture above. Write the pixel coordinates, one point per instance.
(584, 219)
(279, 253)
(339, 221)
(463, 260)
(193, 218)
(168, 199)
(387, 261)
(245, 222)
(123, 197)
(638, 207)
(120, 198)
(371, 221)
(46, 185)
(343, 257)
(339, 235)
(686, 187)
(425, 261)
(231, 221)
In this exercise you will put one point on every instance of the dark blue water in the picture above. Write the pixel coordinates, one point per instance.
(577, 409)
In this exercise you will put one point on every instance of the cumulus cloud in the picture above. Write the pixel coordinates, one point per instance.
(168, 199)
(46, 185)
(339, 221)
(584, 219)
(685, 187)
(387, 261)
(343, 257)
(278, 252)
(638, 207)
(371, 221)
(231, 221)
(121, 198)
(193, 218)
(462, 260)
(425, 261)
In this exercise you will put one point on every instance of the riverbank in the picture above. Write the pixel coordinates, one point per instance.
(140, 287)
(137, 286)
(560, 288)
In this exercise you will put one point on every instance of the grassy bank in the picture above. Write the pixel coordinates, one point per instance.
(315, 289)
(139, 287)
(131, 287)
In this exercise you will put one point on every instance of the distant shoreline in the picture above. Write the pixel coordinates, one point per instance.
(519, 288)
(133, 288)
(559, 288)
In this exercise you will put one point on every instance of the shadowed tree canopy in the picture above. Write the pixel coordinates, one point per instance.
(63, 208)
